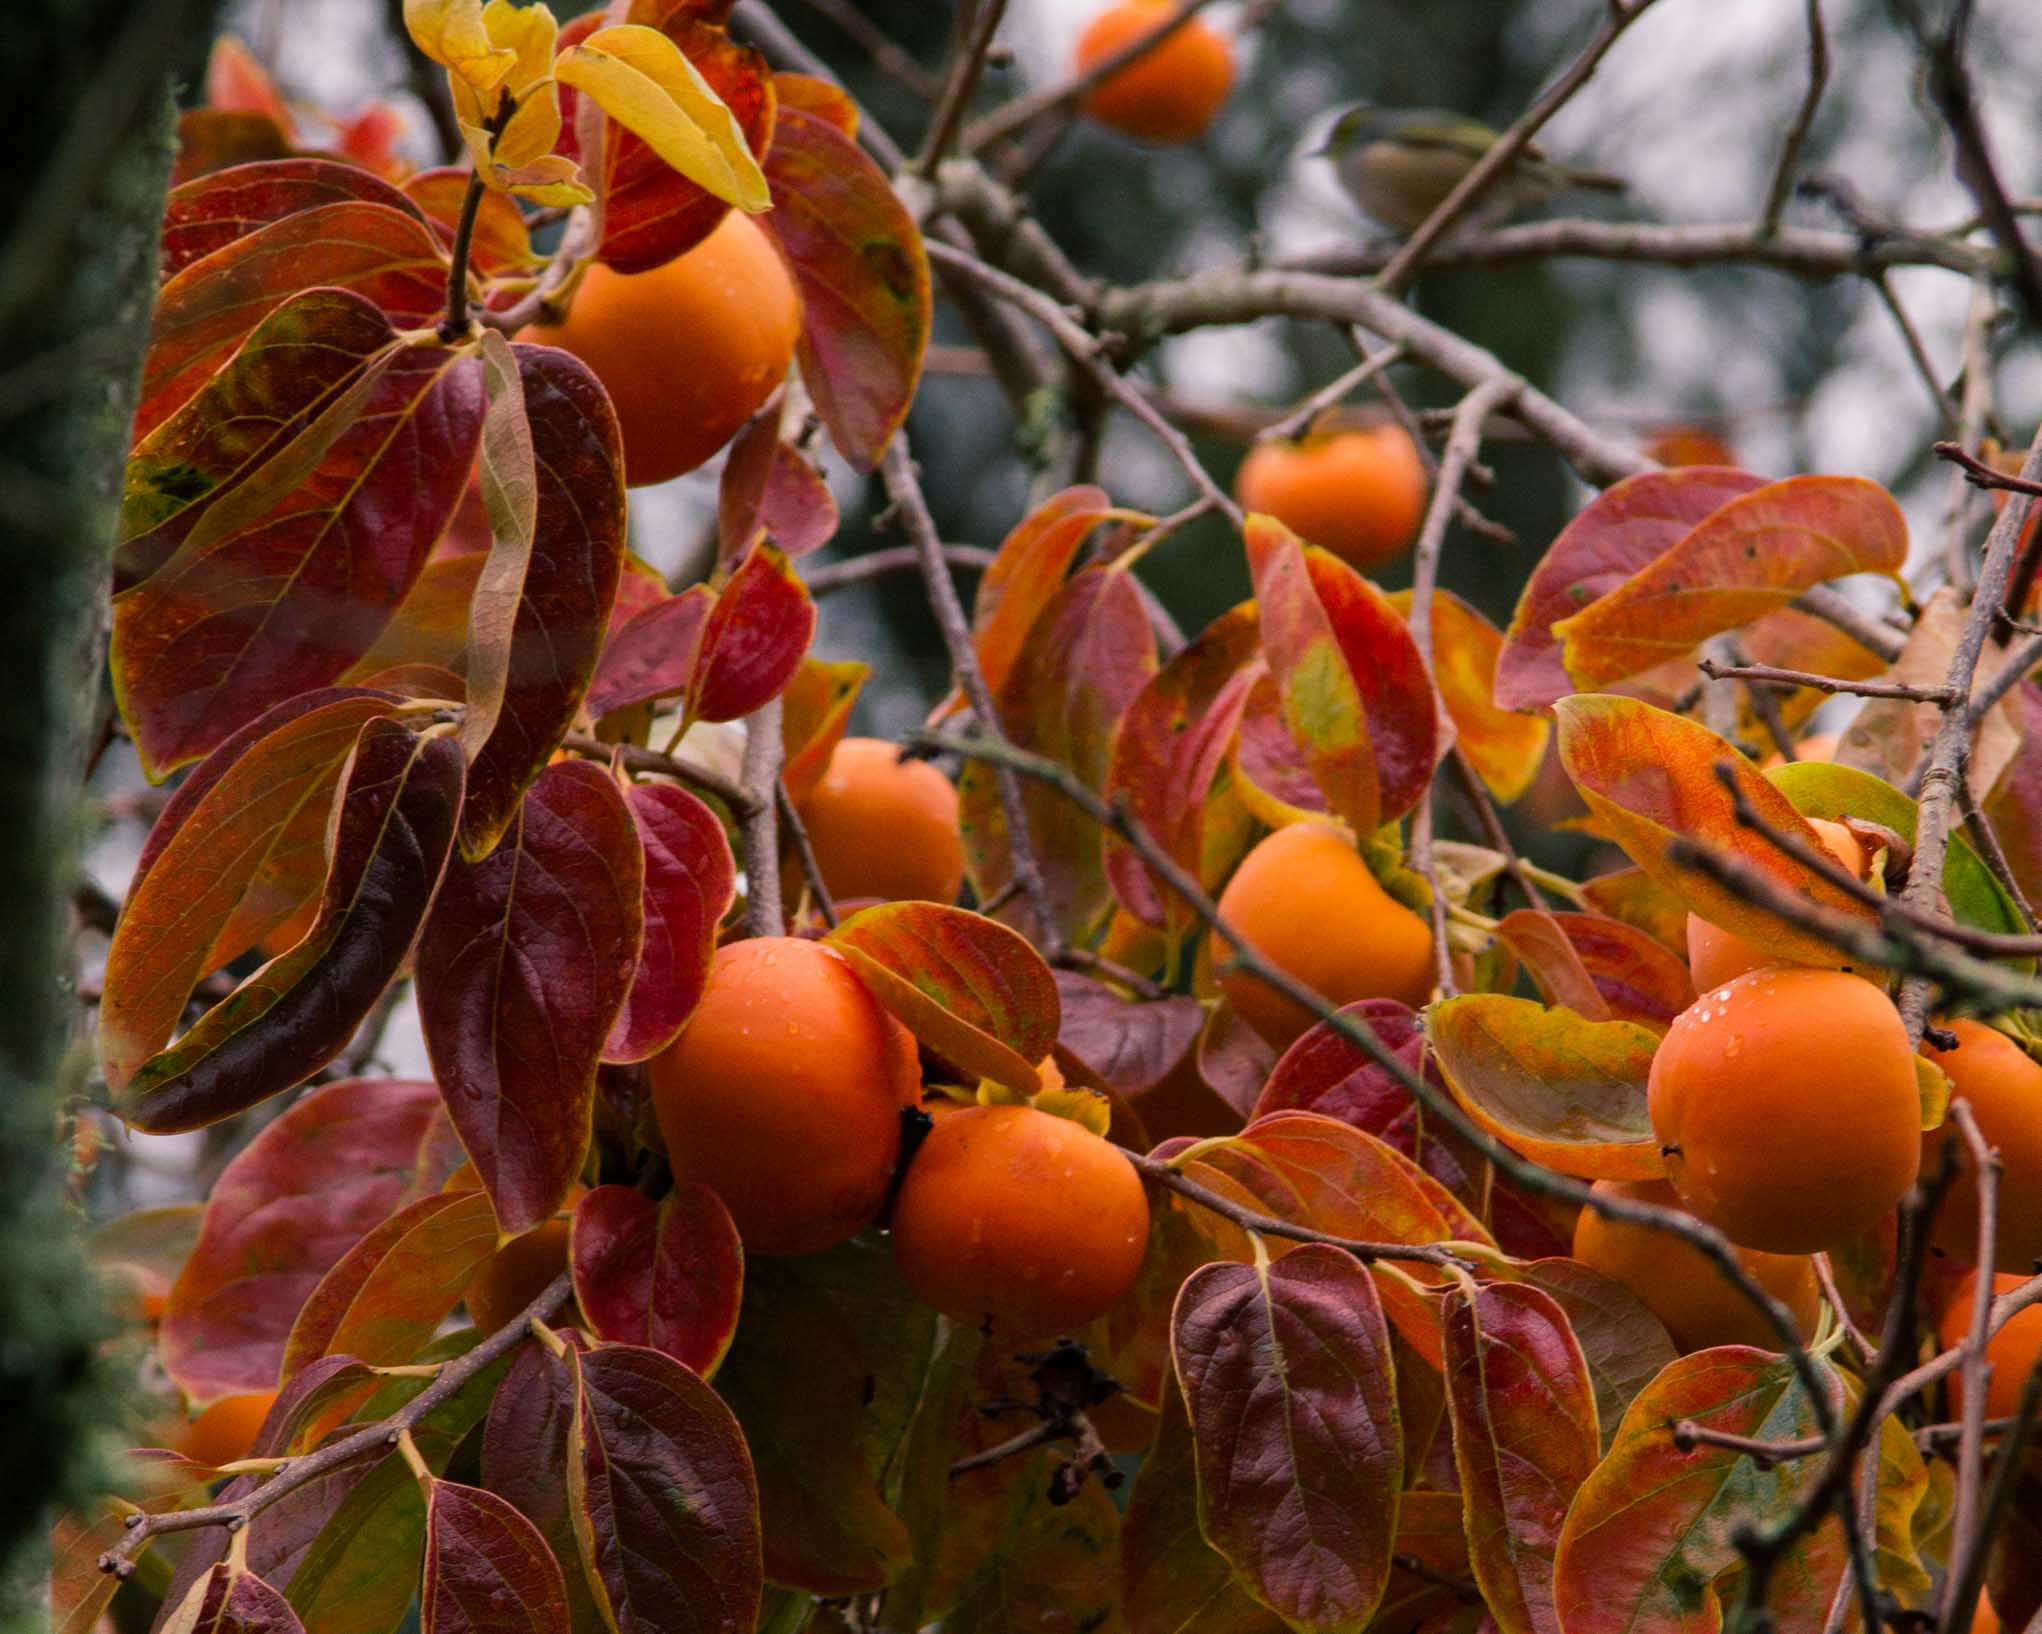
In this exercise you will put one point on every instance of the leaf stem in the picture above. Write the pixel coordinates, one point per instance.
(455, 326)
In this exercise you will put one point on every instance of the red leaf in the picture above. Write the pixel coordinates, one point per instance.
(392, 830)
(285, 1209)
(230, 1599)
(1354, 690)
(650, 211)
(213, 211)
(1631, 524)
(386, 255)
(242, 843)
(1286, 1370)
(1524, 1433)
(1134, 1047)
(1635, 977)
(1025, 574)
(857, 259)
(654, 654)
(769, 484)
(1274, 781)
(663, 1499)
(524, 1459)
(522, 969)
(288, 573)
(1172, 743)
(754, 640)
(487, 1569)
(690, 880)
(564, 594)
(668, 1275)
(816, 708)
(950, 975)
(213, 139)
(1506, 749)
(381, 1302)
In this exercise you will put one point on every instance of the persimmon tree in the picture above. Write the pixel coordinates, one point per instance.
(1393, 1210)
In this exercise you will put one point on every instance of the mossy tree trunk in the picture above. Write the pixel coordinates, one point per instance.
(88, 87)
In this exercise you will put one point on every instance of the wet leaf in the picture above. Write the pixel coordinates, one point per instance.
(971, 989)
(1632, 977)
(546, 649)
(1560, 1090)
(1524, 1433)
(487, 1569)
(1624, 1344)
(1630, 525)
(754, 639)
(857, 260)
(392, 831)
(668, 1275)
(1748, 558)
(523, 967)
(663, 1499)
(1650, 778)
(1286, 1373)
(234, 852)
(384, 254)
(1505, 747)
(1651, 1530)
(1353, 688)
(285, 1209)
(524, 1461)
(690, 881)
(1171, 746)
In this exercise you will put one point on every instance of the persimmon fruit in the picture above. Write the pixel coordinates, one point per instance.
(688, 351)
(1306, 901)
(2003, 1083)
(226, 1430)
(784, 1094)
(1787, 1105)
(2013, 1351)
(885, 827)
(1168, 94)
(1716, 956)
(1359, 494)
(1015, 1216)
(1680, 1284)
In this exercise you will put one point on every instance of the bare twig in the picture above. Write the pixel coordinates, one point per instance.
(904, 489)
(759, 832)
(1968, 429)
(1504, 150)
(962, 85)
(734, 795)
(1015, 116)
(804, 852)
(877, 564)
(869, 37)
(1917, 353)
(1333, 393)
(1976, 1367)
(1772, 674)
(1782, 187)
(371, 1440)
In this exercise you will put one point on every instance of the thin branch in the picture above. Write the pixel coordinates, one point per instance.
(1330, 395)
(734, 795)
(961, 86)
(1968, 432)
(1981, 475)
(877, 564)
(1165, 1174)
(1774, 675)
(1011, 117)
(1782, 187)
(1917, 353)
(756, 21)
(1082, 347)
(1504, 150)
(904, 489)
(1976, 1368)
(1951, 746)
(371, 1440)
(887, 57)
(804, 852)
(759, 832)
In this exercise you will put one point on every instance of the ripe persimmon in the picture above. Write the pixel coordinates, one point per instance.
(2013, 1351)
(885, 827)
(1787, 1106)
(2003, 1083)
(688, 351)
(1306, 901)
(1171, 92)
(1359, 494)
(1715, 955)
(1014, 1215)
(1680, 1284)
(226, 1430)
(1687, 444)
(784, 1093)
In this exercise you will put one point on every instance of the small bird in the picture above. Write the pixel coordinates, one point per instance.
(1399, 163)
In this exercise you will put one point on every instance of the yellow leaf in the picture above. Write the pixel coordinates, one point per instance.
(453, 34)
(528, 31)
(641, 79)
(533, 129)
(546, 178)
